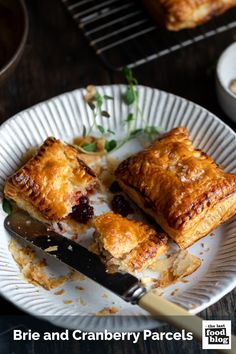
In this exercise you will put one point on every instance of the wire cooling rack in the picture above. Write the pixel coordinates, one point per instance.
(122, 33)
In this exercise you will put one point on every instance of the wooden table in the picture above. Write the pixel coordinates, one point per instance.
(57, 59)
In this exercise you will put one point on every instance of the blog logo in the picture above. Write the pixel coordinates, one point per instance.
(216, 334)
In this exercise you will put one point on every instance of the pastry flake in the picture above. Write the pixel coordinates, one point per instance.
(175, 267)
(51, 183)
(179, 14)
(130, 245)
(180, 186)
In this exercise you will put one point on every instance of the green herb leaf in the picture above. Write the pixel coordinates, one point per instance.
(6, 206)
(99, 100)
(110, 145)
(151, 130)
(115, 188)
(84, 131)
(134, 81)
(129, 96)
(106, 97)
(127, 72)
(110, 131)
(89, 147)
(105, 114)
(101, 129)
(136, 132)
(130, 117)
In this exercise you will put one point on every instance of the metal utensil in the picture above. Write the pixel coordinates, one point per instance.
(128, 287)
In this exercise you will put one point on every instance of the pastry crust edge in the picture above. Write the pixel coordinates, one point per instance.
(196, 228)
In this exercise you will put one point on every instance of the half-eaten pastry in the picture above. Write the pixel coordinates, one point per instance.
(180, 186)
(130, 245)
(53, 186)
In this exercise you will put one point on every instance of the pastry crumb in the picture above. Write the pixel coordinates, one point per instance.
(106, 311)
(105, 296)
(76, 276)
(51, 249)
(59, 292)
(184, 281)
(176, 266)
(174, 292)
(82, 301)
(32, 268)
(192, 306)
(79, 288)
(67, 302)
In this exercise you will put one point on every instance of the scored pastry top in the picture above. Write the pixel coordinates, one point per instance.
(51, 182)
(176, 180)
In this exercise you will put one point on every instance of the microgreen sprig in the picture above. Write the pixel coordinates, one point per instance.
(95, 101)
(130, 97)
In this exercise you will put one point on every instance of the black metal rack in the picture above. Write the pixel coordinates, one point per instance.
(122, 33)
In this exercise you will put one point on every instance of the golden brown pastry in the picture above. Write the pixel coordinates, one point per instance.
(175, 266)
(131, 245)
(179, 14)
(51, 183)
(180, 186)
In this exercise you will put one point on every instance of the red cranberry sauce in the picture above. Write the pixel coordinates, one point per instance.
(82, 212)
(121, 206)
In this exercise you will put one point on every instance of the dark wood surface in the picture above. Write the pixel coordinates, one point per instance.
(57, 59)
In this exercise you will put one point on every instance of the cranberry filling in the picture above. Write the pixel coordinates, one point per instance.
(82, 212)
(121, 206)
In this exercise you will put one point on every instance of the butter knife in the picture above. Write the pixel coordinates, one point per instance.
(128, 287)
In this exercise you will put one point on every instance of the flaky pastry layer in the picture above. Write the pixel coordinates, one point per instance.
(132, 245)
(51, 182)
(180, 186)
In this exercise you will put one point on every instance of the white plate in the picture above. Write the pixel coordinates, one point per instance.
(63, 117)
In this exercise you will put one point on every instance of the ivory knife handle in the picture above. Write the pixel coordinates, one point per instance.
(176, 316)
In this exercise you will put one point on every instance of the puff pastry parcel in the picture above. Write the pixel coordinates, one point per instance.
(51, 183)
(130, 245)
(180, 186)
(179, 14)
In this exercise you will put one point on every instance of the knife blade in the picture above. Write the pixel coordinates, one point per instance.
(20, 224)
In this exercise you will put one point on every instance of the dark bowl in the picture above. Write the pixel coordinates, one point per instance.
(14, 26)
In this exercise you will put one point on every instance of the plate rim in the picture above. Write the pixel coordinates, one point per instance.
(150, 323)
